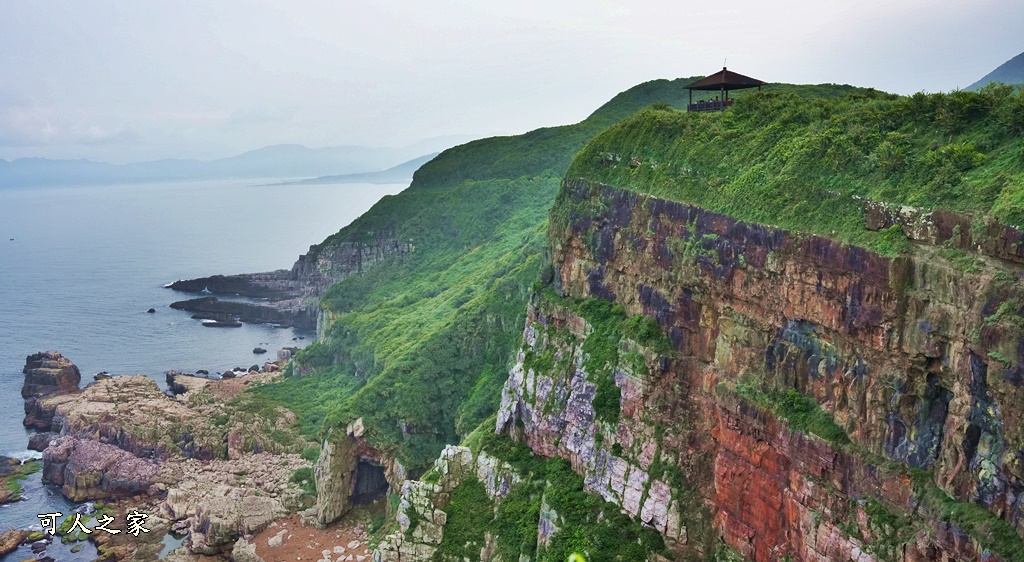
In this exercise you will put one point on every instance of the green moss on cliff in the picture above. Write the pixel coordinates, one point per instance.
(470, 514)
(585, 522)
(800, 411)
(807, 165)
(992, 533)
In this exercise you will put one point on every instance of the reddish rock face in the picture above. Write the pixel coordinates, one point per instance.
(910, 357)
(47, 373)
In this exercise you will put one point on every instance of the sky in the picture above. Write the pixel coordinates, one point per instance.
(132, 81)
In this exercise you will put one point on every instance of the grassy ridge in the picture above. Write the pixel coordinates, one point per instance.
(783, 159)
(420, 346)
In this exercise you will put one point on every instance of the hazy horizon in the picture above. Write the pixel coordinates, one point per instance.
(119, 83)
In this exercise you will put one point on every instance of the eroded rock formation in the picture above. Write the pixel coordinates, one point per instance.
(207, 466)
(47, 373)
(337, 471)
(423, 502)
(90, 470)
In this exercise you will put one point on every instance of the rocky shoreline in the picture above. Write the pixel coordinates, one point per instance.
(288, 297)
(202, 460)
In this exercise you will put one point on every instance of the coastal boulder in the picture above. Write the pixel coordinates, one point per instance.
(40, 441)
(87, 469)
(11, 539)
(47, 373)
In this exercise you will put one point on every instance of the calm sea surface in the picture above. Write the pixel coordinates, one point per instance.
(80, 266)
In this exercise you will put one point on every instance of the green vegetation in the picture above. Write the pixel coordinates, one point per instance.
(12, 482)
(891, 530)
(994, 534)
(420, 344)
(800, 411)
(586, 523)
(609, 325)
(311, 453)
(780, 158)
(470, 513)
(304, 478)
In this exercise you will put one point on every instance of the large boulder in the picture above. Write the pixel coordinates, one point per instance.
(11, 539)
(40, 441)
(47, 373)
(87, 469)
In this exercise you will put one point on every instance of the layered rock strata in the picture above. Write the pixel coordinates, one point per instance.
(46, 374)
(915, 360)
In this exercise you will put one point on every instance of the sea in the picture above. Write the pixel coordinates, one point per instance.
(81, 265)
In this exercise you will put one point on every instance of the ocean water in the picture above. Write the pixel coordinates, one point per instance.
(79, 267)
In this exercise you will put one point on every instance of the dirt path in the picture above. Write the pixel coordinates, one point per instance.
(287, 541)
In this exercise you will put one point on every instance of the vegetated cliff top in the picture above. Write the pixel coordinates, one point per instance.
(543, 152)
(809, 164)
(418, 345)
(1010, 72)
(549, 150)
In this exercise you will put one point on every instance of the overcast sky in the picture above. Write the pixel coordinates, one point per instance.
(136, 80)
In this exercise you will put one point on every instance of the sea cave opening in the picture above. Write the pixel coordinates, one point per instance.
(370, 483)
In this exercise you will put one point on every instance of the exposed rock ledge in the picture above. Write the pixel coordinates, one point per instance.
(283, 313)
(196, 462)
(292, 295)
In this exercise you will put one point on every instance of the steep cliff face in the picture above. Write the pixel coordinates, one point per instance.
(796, 397)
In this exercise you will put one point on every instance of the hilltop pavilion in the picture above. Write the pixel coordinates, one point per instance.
(721, 81)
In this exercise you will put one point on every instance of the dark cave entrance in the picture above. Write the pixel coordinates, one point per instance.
(369, 484)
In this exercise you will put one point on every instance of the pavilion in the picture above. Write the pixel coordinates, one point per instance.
(722, 81)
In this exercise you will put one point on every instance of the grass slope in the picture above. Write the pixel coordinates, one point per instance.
(420, 346)
(782, 159)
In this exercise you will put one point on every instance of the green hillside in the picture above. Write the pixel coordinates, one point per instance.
(1010, 72)
(420, 346)
(779, 159)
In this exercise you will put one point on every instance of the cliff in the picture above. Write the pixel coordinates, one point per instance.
(812, 394)
(806, 355)
(792, 329)
(46, 374)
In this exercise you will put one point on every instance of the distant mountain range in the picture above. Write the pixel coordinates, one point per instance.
(278, 161)
(397, 174)
(1010, 72)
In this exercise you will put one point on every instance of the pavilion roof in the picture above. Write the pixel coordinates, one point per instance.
(727, 80)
